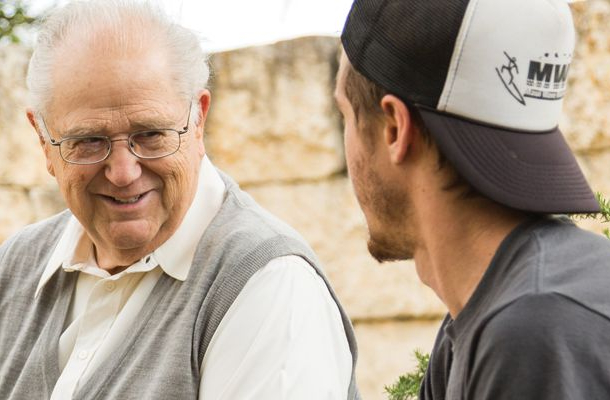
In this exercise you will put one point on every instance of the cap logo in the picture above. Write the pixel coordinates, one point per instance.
(507, 76)
(545, 80)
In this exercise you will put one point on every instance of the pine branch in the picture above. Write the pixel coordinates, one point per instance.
(603, 215)
(407, 386)
(604, 205)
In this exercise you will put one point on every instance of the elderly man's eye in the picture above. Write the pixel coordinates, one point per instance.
(84, 143)
(149, 137)
(150, 134)
(152, 138)
(90, 140)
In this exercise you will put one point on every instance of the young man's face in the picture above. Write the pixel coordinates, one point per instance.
(383, 204)
(357, 152)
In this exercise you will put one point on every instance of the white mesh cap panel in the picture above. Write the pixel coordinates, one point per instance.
(510, 64)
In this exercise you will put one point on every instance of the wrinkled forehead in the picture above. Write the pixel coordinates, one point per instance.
(94, 84)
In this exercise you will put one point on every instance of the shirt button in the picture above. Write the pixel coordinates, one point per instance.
(83, 354)
(109, 286)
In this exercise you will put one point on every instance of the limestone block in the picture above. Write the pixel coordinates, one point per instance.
(593, 225)
(586, 118)
(16, 210)
(386, 351)
(273, 115)
(596, 167)
(327, 215)
(21, 159)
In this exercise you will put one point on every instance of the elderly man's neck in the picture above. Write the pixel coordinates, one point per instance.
(115, 260)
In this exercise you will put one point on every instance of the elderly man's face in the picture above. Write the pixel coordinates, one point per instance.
(127, 205)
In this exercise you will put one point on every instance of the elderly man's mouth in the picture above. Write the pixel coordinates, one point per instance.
(126, 201)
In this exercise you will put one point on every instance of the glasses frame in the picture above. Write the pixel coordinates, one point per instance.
(57, 143)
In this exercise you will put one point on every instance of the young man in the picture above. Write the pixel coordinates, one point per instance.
(451, 137)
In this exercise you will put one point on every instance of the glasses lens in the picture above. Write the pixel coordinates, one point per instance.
(86, 150)
(155, 144)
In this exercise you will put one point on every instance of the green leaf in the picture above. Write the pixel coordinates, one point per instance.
(407, 386)
(12, 15)
(604, 205)
(603, 215)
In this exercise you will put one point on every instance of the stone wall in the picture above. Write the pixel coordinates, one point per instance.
(274, 128)
(27, 191)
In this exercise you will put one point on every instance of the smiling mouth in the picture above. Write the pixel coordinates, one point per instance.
(129, 200)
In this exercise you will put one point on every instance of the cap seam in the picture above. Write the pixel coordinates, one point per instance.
(368, 37)
(473, 121)
(459, 59)
(507, 184)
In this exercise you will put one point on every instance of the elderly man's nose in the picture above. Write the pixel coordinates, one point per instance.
(122, 166)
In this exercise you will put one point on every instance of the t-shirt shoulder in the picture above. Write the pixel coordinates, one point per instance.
(544, 346)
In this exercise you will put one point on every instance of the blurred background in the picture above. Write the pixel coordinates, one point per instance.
(274, 127)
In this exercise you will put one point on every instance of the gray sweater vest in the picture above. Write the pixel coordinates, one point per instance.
(161, 357)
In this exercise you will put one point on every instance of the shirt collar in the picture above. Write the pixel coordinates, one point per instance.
(175, 256)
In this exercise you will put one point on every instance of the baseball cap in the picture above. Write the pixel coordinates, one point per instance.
(488, 77)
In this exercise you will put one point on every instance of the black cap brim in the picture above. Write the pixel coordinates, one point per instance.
(530, 171)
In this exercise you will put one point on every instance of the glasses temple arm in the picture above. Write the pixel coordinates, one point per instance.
(52, 141)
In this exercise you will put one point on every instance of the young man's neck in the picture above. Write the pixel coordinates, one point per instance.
(458, 241)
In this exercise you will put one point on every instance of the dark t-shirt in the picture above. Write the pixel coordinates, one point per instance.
(538, 325)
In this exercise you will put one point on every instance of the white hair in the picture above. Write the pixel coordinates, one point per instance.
(117, 25)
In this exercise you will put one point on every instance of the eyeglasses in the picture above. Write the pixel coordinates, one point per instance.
(149, 144)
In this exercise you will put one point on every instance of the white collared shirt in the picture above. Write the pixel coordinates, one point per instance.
(312, 361)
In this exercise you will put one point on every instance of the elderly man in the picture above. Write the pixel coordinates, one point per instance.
(451, 111)
(163, 280)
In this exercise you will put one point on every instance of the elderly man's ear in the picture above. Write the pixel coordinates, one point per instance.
(204, 106)
(41, 139)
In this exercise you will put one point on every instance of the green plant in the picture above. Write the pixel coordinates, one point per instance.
(604, 215)
(407, 386)
(13, 14)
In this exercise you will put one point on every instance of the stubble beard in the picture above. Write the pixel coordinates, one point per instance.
(384, 250)
(387, 239)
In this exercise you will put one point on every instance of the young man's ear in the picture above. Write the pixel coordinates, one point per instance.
(398, 133)
(42, 140)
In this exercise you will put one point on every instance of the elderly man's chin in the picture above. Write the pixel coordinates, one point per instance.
(130, 234)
